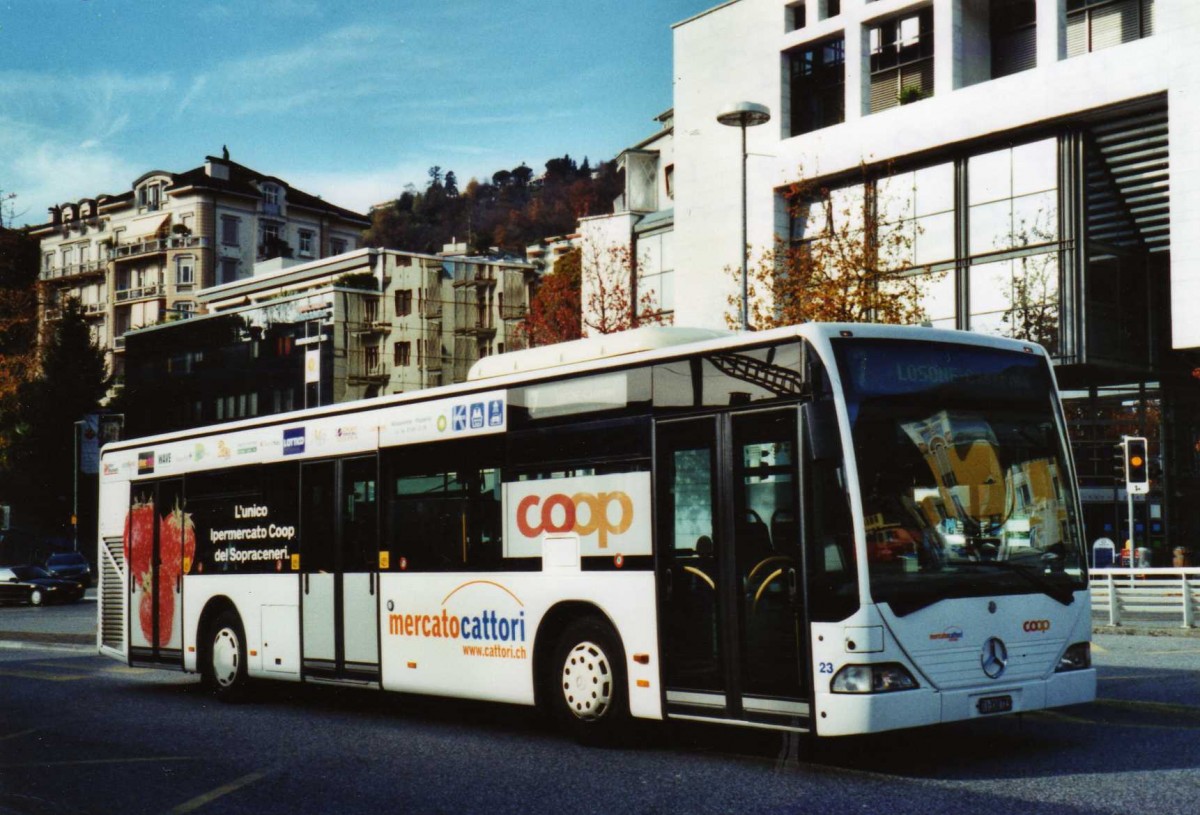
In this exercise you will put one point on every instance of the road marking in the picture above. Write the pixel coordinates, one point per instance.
(208, 797)
(42, 675)
(92, 761)
(1186, 711)
(1134, 676)
(1099, 649)
(18, 734)
(63, 665)
(1153, 707)
(1180, 651)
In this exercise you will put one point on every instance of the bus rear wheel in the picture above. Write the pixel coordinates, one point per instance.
(224, 663)
(585, 683)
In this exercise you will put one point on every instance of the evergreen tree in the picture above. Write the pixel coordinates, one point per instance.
(39, 472)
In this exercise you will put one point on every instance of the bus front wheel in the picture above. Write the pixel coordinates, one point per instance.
(586, 682)
(224, 665)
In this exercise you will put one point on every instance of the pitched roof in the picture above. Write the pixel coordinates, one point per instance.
(243, 180)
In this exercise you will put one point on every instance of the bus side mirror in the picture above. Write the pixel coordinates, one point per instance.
(822, 437)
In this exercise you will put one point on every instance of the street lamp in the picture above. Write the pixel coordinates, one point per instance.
(744, 115)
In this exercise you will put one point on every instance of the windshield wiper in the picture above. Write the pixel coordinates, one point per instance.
(1055, 591)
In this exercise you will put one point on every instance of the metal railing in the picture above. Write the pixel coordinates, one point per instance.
(1159, 596)
(73, 269)
(152, 290)
(153, 246)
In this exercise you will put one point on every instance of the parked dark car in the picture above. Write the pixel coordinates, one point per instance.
(34, 585)
(70, 566)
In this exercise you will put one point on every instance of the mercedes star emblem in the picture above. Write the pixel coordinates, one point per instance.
(994, 658)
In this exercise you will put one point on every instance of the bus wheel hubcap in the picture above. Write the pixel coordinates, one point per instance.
(225, 657)
(587, 681)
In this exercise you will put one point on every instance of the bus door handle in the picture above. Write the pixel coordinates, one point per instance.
(306, 582)
(793, 586)
(371, 579)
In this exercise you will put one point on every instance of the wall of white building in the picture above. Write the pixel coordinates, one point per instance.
(735, 52)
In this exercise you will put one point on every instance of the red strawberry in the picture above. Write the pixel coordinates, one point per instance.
(166, 612)
(176, 541)
(139, 537)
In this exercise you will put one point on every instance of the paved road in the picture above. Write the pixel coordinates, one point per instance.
(82, 734)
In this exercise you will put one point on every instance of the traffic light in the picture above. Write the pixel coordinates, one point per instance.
(1137, 467)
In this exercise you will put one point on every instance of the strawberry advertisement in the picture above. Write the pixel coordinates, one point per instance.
(155, 580)
(221, 522)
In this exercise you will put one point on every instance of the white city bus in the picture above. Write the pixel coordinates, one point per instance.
(832, 529)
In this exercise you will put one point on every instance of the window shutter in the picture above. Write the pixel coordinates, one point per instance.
(1016, 51)
(1077, 35)
(917, 77)
(1115, 24)
(885, 91)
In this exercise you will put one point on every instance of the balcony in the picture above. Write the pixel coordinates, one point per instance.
(95, 309)
(479, 276)
(118, 343)
(369, 373)
(91, 267)
(156, 246)
(141, 293)
(370, 327)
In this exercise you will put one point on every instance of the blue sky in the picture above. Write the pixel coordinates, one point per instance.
(347, 100)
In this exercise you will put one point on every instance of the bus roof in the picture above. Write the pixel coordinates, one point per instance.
(648, 344)
(605, 346)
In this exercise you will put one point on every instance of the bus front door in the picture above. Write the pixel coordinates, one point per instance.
(340, 583)
(730, 600)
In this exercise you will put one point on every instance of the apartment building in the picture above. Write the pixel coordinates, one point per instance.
(1039, 155)
(362, 324)
(142, 256)
(630, 252)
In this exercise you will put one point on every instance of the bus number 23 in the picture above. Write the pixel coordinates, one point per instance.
(825, 667)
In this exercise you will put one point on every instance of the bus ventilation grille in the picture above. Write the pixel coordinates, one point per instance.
(112, 599)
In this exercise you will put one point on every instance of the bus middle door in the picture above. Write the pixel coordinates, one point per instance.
(729, 563)
(339, 589)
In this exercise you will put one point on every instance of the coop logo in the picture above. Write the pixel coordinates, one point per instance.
(1035, 626)
(293, 441)
(952, 634)
(110, 470)
(609, 513)
(605, 513)
(145, 462)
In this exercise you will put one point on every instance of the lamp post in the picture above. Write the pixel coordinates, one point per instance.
(744, 115)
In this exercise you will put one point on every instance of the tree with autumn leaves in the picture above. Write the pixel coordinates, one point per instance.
(591, 290)
(849, 262)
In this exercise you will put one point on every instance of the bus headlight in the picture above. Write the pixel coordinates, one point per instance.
(883, 678)
(1076, 658)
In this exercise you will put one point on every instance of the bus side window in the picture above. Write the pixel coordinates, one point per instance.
(443, 507)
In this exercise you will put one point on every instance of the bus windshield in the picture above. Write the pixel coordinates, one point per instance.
(964, 473)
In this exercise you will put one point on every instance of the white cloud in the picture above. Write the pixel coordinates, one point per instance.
(360, 189)
(197, 87)
(44, 173)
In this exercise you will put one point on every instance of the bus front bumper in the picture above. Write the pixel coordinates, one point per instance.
(842, 714)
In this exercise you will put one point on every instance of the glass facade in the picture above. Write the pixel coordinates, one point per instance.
(983, 228)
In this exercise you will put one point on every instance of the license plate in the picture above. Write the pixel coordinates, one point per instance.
(994, 704)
